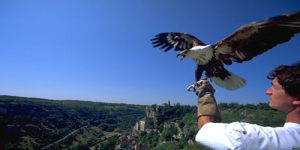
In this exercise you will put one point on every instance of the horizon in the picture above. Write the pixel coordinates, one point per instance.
(101, 50)
(171, 104)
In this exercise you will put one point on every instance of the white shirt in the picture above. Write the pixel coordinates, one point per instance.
(242, 136)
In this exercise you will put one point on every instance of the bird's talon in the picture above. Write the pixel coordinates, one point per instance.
(192, 86)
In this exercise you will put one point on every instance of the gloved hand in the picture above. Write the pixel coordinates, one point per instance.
(207, 105)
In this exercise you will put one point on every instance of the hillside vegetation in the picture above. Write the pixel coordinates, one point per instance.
(33, 123)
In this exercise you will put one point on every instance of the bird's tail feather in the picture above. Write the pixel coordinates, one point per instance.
(231, 82)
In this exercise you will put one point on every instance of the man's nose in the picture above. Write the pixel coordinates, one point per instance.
(269, 91)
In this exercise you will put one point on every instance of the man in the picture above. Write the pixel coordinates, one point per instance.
(284, 96)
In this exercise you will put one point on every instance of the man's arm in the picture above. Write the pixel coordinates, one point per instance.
(207, 105)
(204, 120)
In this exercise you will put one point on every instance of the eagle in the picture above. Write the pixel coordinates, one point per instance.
(246, 42)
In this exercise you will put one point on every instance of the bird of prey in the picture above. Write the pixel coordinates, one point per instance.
(242, 45)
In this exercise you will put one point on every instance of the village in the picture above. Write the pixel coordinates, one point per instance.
(129, 139)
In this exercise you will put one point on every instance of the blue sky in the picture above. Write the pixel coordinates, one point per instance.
(101, 50)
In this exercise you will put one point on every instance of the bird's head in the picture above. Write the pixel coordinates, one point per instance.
(183, 54)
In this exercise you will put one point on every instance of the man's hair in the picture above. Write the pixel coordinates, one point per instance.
(288, 77)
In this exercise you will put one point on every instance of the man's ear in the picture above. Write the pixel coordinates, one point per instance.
(297, 101)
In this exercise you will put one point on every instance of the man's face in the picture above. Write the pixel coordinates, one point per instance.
(279, 99)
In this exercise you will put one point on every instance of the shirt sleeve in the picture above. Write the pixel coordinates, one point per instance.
(220, 136)
(244, 136)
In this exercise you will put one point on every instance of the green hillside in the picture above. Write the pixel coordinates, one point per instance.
(32, 123)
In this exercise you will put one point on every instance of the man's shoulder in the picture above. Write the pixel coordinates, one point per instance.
(291, 125)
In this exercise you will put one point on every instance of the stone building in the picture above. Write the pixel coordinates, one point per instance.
(150, 118)
(144, 124)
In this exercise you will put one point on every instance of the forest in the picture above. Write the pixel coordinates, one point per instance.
(34, 123)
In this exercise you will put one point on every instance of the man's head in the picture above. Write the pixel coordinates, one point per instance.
(285, 90)
(288, 77)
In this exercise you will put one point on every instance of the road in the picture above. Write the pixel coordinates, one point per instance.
(73, 132)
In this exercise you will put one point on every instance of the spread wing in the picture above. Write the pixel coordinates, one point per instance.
(255, 38)
(179, 41)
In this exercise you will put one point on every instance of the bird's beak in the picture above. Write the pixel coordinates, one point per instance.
(179, 54)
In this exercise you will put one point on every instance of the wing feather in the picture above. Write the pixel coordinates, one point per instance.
(198, 72)
(255, 38)
(177, 40)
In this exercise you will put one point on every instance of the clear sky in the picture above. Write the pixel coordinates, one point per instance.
(101, 51)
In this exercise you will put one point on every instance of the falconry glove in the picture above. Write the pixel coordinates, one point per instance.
(207, 105)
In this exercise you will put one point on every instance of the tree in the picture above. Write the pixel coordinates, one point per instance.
(182, 143)
(223, 106)
(82, 147)
(263, 106)
(165, 146)
(250, 106)
(166, 135)
(110, 143)
(234, 105)
(173, 130)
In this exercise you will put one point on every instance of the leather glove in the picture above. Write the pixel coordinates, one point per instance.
(207, 105)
